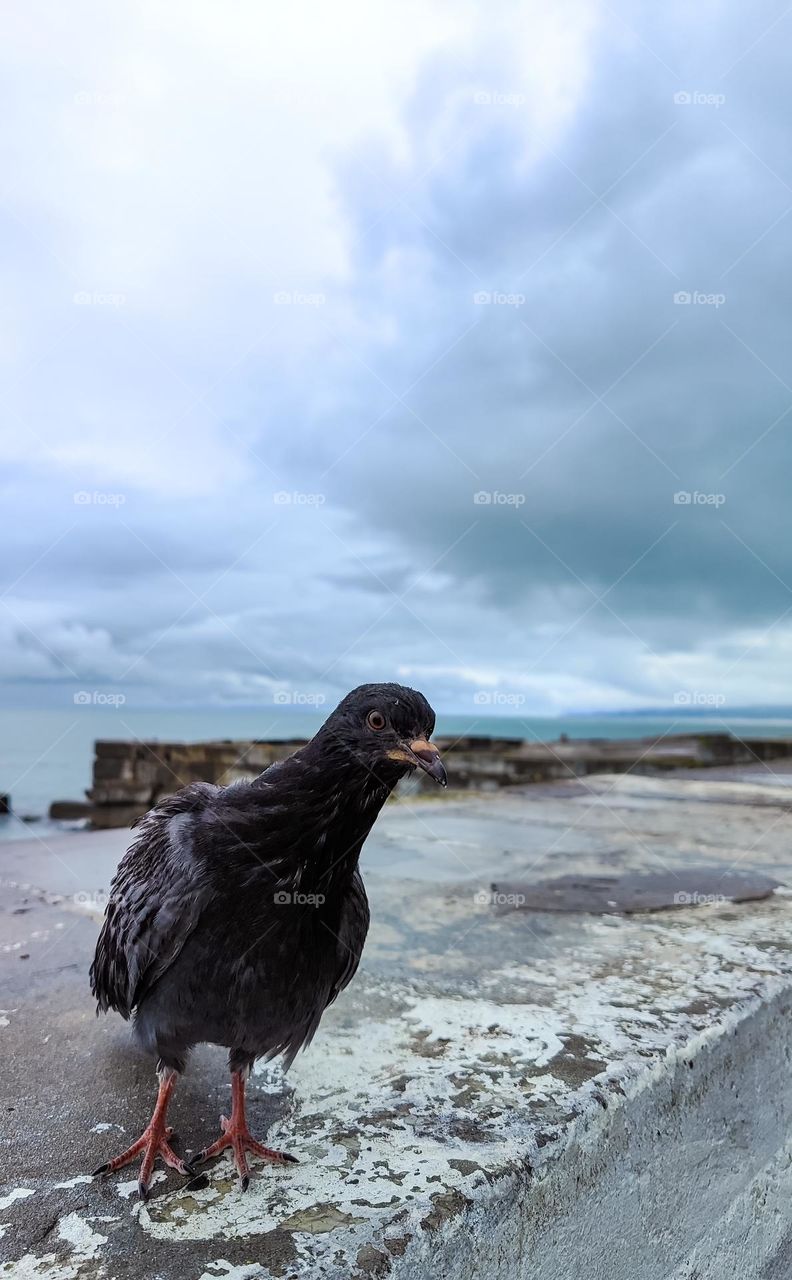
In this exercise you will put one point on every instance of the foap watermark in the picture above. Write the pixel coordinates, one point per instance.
(694, 899)
(99, 698)
(686, 498)
(698, 698)
(97, 498)
(298, 698)
(97, 98)
(494, 298)
(88, 900)
(698, 98)
(297, 298)
(494, 498)
(284, 898)
(284, 498)
(697, 298)
(93, 298)
(497, 98)
(492, 899)
(497, 698)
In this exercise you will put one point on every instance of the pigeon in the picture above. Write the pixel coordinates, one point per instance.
(238, 913)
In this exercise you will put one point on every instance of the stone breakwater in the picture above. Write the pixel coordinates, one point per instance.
(129, 777)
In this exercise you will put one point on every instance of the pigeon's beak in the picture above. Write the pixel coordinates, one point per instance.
(425, 754)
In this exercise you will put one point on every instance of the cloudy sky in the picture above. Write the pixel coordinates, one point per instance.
(376, 341)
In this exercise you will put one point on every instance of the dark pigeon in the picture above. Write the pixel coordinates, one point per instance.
(238, 913)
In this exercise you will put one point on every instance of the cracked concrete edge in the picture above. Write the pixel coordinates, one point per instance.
(677, 1176)
(685, 1177)
(517, 1200)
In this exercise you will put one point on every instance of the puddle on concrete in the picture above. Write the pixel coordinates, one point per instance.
(634, 891)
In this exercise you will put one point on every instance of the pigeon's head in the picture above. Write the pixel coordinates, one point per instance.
(387, 728)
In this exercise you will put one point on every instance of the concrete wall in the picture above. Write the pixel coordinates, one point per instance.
(128, 777)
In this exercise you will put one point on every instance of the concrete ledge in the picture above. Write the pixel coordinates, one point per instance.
(515, 1096)
(584, 1135)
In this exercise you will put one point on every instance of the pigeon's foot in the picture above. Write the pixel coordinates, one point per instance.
(240, 1140)
(152, 1142)
(238, 1137)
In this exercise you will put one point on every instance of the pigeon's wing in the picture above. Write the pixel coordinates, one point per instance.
(353, 927)
(156, 899)
(350, 936)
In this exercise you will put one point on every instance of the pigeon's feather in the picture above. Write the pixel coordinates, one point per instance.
(156, 900)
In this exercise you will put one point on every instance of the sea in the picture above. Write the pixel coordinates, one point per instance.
(47, 755)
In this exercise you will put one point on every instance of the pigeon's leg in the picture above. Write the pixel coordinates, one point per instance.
(153, 1141)
(238, 1137)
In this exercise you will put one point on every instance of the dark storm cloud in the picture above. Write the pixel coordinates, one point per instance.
(692, 190)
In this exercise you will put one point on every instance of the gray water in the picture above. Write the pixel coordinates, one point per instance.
(47, 755)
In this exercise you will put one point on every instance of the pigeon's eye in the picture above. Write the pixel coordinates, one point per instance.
(375, 720)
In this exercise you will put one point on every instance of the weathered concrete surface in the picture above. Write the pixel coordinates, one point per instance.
(496, 1095)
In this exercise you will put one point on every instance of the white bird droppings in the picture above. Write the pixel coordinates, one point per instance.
(19, 1193)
